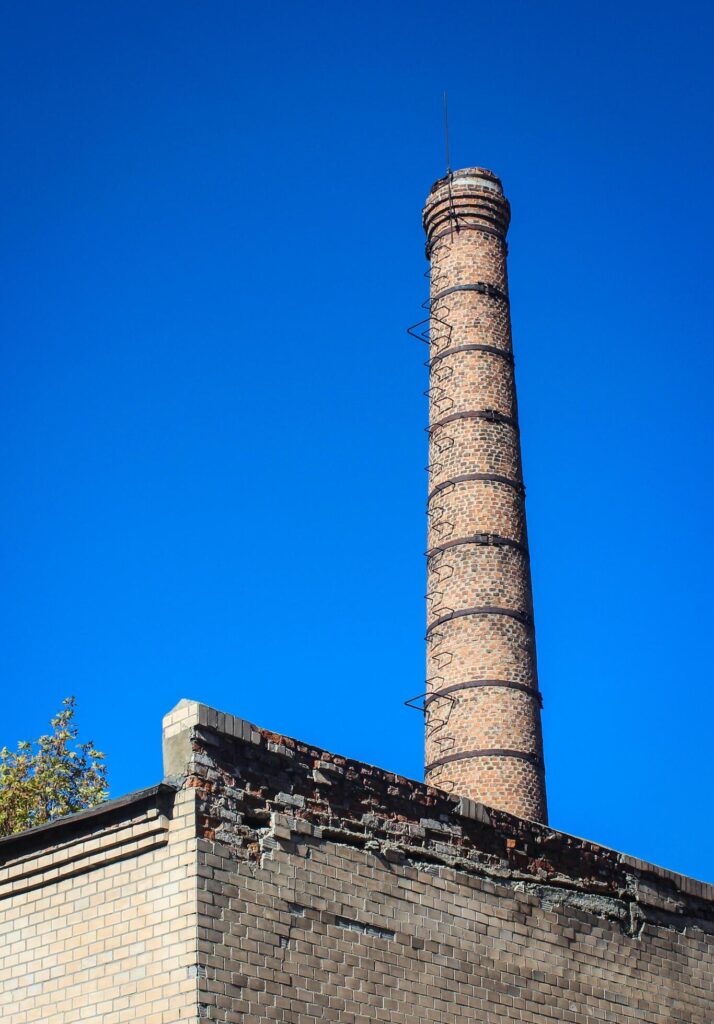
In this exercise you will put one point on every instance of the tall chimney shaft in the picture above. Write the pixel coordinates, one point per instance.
(483, 730)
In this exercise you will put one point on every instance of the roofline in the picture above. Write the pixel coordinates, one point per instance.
(161, 794)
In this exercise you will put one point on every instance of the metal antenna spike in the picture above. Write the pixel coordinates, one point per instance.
(446, 134)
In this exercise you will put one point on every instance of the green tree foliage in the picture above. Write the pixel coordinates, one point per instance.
(51, 777)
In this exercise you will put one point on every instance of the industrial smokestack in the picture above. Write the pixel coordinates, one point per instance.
(483, 730)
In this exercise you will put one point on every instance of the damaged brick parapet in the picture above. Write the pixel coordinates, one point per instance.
(257, 791)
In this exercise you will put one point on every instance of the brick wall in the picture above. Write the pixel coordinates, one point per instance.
(269, 880)
(98, 916)
(331, 890)
(482, 708)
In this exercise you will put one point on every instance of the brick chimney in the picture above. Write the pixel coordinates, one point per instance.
(483, 730)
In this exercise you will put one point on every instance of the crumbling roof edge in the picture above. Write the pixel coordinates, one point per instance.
(203, 716)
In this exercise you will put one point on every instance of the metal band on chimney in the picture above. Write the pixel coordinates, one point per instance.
(505, 684)
(483, 208)
(511, 613)
(483, 217)
(522, 755)
(482, 228)
(491, 349)
(493, 540)
(482, 287)
(490, 415)
(492, 478)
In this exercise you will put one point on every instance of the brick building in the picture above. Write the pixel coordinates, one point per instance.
(268, 880)
(265, 879)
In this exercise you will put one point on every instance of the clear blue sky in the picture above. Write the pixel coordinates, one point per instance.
(211, 438)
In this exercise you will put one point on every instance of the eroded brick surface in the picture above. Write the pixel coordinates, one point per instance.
(331, 890)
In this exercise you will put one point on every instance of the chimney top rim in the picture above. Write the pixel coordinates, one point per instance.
(480, 173)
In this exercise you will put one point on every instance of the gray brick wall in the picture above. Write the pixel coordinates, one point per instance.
(331, 890)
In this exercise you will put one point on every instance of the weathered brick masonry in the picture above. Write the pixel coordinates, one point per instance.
(482, 705)
(332, 890)
(269, 880)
